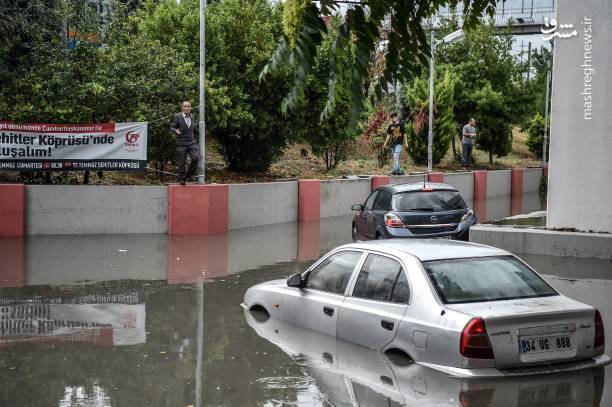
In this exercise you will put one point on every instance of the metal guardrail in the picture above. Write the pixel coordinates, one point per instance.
(518, 16)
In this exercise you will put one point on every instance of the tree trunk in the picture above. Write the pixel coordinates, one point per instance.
(490, 156)
(86, 178)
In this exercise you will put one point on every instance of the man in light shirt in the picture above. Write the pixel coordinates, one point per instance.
(183, 128)
(467, 142)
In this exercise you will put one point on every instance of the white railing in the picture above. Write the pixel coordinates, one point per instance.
(518, 16)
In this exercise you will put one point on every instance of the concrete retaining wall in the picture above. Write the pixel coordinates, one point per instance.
(464, 182)
(216, 208)
(262, 204)
(498, 183)
(89, 209)
(531, 180)
(337, 196)
(546, 242)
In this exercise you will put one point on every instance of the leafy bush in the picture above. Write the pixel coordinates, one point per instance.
(535, 133)
(417, 97)
(494, 129)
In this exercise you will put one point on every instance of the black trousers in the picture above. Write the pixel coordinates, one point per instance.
(182, 152)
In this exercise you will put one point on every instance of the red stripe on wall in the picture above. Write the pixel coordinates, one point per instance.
(379, 181)
(197, 209)
(480, 194)
(517, 191)
(309, 200)
(435, 177)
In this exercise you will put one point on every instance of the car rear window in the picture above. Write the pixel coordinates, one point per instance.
(485, 279)
(440, 200)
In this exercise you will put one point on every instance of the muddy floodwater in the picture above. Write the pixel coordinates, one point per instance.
(153, 320)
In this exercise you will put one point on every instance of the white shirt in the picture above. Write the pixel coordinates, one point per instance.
(187, 118)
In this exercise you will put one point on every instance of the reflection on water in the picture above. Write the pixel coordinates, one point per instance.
(121, 320)
(350, 375)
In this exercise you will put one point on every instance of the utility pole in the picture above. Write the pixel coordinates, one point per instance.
(545, 138)
(528, 61)
(431, 101)
(202, 176)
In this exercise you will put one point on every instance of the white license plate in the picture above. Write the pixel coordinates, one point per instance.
(540, 344)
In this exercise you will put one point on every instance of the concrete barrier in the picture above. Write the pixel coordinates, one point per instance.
(463, 182)
(197, 209)
(531, 180)
(337, 196)
(90, 209)
(212, 208)
(499, 183)
(545, 242)
(12, 209)
(262, 204)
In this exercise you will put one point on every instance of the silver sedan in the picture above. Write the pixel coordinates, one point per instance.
(462, 308)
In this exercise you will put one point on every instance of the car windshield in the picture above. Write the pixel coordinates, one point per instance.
(440, 200)
(485, 279)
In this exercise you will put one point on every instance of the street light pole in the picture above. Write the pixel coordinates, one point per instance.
(431, 97)
(545, 138)
(201, 177)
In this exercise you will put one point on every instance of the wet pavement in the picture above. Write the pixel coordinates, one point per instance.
(148, 320)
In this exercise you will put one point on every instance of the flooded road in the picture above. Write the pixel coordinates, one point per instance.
(156, 321)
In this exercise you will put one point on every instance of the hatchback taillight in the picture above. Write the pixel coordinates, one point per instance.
(393, 221)
(475, 341)
(600, 338)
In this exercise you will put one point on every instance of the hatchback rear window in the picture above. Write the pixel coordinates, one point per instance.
(442, 200)
(485, 279)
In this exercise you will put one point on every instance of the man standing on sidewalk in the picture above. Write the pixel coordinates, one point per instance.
(467, 143)
(183, 128)
(396, 135)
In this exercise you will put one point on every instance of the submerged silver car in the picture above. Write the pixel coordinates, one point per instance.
(351, 375)
(462, 308)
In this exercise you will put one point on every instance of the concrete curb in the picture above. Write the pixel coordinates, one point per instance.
(542, 241)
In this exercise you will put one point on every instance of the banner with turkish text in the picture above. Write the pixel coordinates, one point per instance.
(73, 147)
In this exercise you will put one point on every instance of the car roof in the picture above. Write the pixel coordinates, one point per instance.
(417, 186)
(429, 249)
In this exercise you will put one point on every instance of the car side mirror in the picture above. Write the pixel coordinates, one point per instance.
(357, 207)
(295, 280)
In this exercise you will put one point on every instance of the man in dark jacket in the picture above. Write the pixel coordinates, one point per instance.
(183, 127)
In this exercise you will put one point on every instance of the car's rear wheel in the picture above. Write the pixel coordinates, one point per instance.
(379, 236)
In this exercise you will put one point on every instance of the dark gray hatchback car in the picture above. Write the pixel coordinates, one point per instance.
(419, 210)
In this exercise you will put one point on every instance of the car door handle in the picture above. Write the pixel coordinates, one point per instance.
(388, 325)
(328, 311)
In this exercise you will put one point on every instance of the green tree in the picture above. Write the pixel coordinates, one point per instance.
(402, 21)
(494, 132)
(535, 139)
(328, 138)
(417, 98)
(247, 122)
(489, 86)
